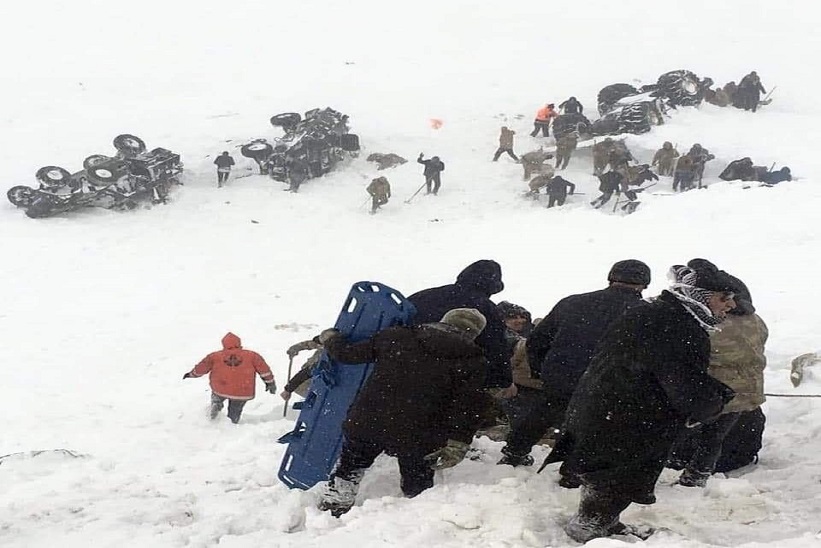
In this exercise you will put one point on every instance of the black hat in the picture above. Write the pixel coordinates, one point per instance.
(630, 271)
(743, 299)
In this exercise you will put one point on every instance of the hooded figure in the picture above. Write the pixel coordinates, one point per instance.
(421, 403)
(473, 289)
(648, 378)
(232, 374)
(737, 359)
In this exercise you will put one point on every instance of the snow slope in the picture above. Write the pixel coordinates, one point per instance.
(104, 311)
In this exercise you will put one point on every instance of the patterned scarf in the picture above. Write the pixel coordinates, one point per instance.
(693, 298)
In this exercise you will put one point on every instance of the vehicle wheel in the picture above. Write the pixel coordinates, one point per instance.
(681, 88)
(349, 142)
(105, 175)
(129, 144)
(258, 150)
(21, 196)
(95, 159)
(52, 176)
(286, 119)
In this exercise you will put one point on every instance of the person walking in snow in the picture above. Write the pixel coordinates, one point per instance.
(231, 372)
(648, 380)
(665, 158)
(420, 404)
(561, 347)
(749, 92)
(543, 117)
(433, 169)
(223, 162)
(505, 144)
(737, 359)
(565, 146)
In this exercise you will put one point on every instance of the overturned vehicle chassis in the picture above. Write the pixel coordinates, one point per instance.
(321, 139)
(117, 182)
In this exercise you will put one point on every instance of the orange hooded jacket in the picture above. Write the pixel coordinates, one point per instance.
(232, 370)
(545, 113)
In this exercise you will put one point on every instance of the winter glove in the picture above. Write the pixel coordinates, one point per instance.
(285, 395)
(293, 351)
(271, 387)
(187, 376)
(448, 456)
(326, 335)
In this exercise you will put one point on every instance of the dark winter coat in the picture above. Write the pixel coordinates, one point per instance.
(473, 288)
(558, 187)
(649, 375)
(432, 167)
(562, 345)
(610, 182)
(425, 387)
(778, 176)
(572, 106)
(298, 169)
(224, 161)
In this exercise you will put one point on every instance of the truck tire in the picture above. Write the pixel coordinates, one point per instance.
(286, 119)
(129, 145)
(681, 88)
(95, 159)
(106, 174)
(349, 142)
(52, 176)
(258, 150)
(21, 196)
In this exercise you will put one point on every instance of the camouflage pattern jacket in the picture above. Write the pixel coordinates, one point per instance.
(737, 359)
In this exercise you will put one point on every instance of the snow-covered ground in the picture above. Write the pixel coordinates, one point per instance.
(104, 311)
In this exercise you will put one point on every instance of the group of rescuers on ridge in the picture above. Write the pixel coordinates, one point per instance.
(611, 159)
(617, 380)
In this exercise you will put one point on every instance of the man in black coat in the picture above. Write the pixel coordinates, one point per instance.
(223, 162)
(609, 182)
(557, 190)
(572, 106)
(433, 168)
(647, 380)
(562, 345)
(420, 404)
(473, 289)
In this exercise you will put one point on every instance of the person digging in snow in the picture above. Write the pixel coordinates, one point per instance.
(380, 191)
(231, 374)
(505, 144)
(433, 169)
(647, 380)
(420, 404)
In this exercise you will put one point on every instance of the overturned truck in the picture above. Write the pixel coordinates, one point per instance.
(112, 182)
(321, 139)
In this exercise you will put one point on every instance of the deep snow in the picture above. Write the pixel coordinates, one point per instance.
(105, 311)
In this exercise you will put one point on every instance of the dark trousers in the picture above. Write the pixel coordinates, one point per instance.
(684, 179)
(709, 439)
(378, 201)
(601, 200)
(435, 180)
(294, 183)
(222, 177)
(562, 159)
(234, 407)
(556, 199)
(358, 455)
(542, 410)
(509, 151)
(539, 125)
(602, 508)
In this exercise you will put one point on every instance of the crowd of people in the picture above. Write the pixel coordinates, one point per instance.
(616, 382)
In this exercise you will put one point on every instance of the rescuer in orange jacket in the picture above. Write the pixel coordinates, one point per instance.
(232, 377)
(543, 117)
